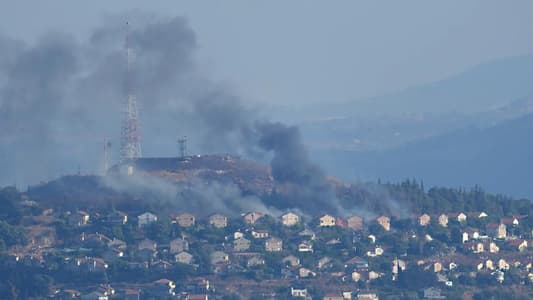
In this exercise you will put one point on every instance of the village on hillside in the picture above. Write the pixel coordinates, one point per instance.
(177, 255)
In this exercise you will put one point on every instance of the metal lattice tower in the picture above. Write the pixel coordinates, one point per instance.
(182, 143)
(130, 135)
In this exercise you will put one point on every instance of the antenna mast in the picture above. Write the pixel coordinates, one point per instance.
(182, 143)
(130, 136)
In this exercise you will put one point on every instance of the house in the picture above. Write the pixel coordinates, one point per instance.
(255, 260)
(161, 289)
(437, 267)
(117, 218)
(112, 254)
(333, 297)
(298, 292)
(80, 218)
(478, 248)
(464, 237)
(305, 246)
(252, 217)
(178, 245)
(473, 233)
(291, 260)
(377, 252)
(96, 295)
(304, 273)
(185, 220)
(184, 258)
(260, 234)
(241, 244)
(478, 215)
(424, 219)
(397, 265)
(219, 257)
(273, 245)
(358, 276)
(367, 296)
(238, 235)
(443, 220)
(355, 222)
(459, 217)
(290, 219)
(327, 221)
(503, 265)
(117, 244)
(146, 218)
(218, 221)
(92, 264)
(307, 233)
(161, 265)
(493, 248)
(374, 275)
(147, 244)
(323, 262)
(432, 293)
(384, 222)
(489, 264)
(357, 263)
(510, 221)
(496, 230)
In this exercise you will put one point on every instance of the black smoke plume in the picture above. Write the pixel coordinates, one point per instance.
(61, 97)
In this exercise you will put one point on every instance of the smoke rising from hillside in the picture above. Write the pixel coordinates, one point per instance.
(61, 97)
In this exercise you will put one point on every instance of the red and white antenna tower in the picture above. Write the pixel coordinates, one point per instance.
(130, 135)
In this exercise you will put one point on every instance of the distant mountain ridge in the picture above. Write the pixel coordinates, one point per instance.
(498, 158)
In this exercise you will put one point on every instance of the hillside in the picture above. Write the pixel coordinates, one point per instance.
(498, 158)
(483, 87)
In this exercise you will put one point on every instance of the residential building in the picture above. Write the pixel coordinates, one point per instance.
(305, 246)
(335, 296)
(255, 260)
(117, 218)
(179, 245)
(459, 217)
(424, 219)
(273, 245)
(218, 221)
(147, 244)
(384, 222)
(185, 220)
(298, 292)
(219, 257)
(327, 221)
(443, 220)
(367, 296)
(252, 217)
(290, 219)
(241, 244)
(79, 218)
(184, 258)
(260, 234)
(146, 218)
(291, 260)
(304, 273)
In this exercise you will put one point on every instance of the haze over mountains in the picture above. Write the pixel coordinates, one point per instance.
(473, 128)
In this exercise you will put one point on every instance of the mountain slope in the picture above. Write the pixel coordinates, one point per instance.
(499, 159)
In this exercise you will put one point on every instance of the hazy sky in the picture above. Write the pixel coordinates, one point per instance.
(281, 52)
